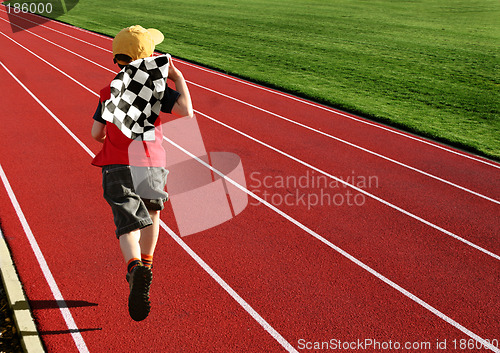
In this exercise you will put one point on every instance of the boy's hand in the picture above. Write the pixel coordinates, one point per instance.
(183, 107)
(173, 73)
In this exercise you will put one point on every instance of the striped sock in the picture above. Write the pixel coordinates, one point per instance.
(132, 264)
(147, 260)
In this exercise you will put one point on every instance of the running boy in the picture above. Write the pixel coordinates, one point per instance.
(128, 112)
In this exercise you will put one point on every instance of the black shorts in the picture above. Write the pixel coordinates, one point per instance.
(132, 192)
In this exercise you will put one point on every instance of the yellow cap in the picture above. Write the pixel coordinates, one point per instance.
(136, 42)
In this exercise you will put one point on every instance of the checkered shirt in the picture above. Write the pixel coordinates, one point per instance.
(136, 94)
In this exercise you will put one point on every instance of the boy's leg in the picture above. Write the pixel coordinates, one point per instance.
(138, 276)
(129, 244)
(149, 238)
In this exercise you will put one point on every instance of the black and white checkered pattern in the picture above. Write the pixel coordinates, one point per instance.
(136, 94)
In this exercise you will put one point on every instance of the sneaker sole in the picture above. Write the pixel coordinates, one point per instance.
(139, 305)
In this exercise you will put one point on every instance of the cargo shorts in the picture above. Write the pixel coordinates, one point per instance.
(132, 192)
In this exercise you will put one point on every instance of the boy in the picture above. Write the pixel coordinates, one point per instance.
(120, 121)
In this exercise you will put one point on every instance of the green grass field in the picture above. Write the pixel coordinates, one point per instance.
(428, 66)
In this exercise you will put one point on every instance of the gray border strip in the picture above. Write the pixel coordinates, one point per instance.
(30, 339)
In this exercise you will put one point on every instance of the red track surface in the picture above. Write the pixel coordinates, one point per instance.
(418, 262)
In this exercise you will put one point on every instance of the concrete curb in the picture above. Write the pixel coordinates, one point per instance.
(24, 321)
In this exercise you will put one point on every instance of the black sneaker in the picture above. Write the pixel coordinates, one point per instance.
(127, 276)
(138, 301)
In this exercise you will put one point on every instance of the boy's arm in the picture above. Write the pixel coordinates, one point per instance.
(99, 131)
(99, 127)
(183, 107)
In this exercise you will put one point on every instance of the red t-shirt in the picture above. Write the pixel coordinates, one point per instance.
(119, 149)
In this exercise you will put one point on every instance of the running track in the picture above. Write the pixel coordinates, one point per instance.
(417, 261)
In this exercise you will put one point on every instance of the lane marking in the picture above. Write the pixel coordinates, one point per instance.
(387, 203)
(56, 293)
(47, 109)
(285, 95)
(332, 246)
(67, 35)
(252, 312)
(288, 120)
(344, 253)
(48, 63)
(230, 290)
(337, 112)
(55, 44)
(307, 165)
(351, 144)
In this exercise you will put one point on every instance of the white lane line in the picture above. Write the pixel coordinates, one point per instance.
(342, 252)
(348, 116)
(289, 120)
(372, 196)
(350, 144)
(65, 312)
(47, 109)
(65, 34)
(48, 63)
(49, 20)
(57, 45)
(252, 312)
(286, 95)
(275, 334)
(334, 247)
(387, 203)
